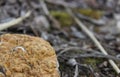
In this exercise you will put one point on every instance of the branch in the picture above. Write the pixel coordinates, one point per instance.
(14, 22)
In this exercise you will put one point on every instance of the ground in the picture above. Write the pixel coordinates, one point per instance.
(73, 46)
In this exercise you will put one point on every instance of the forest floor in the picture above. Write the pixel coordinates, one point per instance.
(78, 55)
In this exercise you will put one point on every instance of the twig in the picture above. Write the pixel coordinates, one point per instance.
(91, 71)
(76, 71)
(61, 3)
(87, 53)
(14, 22)
(91, 35)
(91, 20)
(56, 24)
(19, 47)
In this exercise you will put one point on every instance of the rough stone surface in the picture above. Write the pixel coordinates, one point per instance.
(26, 56)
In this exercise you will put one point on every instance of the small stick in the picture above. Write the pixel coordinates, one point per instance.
(76, 71)
(19, 47)
(14, 21)
(56, 24)
(93, 38)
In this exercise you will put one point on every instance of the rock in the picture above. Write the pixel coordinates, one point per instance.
(42, 22)
(27, 56)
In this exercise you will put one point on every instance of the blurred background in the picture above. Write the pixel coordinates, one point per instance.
(78, 56)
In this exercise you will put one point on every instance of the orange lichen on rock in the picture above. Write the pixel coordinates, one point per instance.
(26, 56)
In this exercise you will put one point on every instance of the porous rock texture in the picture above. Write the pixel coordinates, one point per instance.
(26, 56)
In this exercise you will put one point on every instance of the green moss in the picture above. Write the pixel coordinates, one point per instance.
(63, 17)
(92, 61)
(96, 14)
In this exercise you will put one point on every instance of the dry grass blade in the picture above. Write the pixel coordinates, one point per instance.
(14, 22)
(91, 35)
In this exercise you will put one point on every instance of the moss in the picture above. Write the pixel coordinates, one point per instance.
(63, 17)
(96, 14)
(92, 61)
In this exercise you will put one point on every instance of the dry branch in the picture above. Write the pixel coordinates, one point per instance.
(14, 22)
